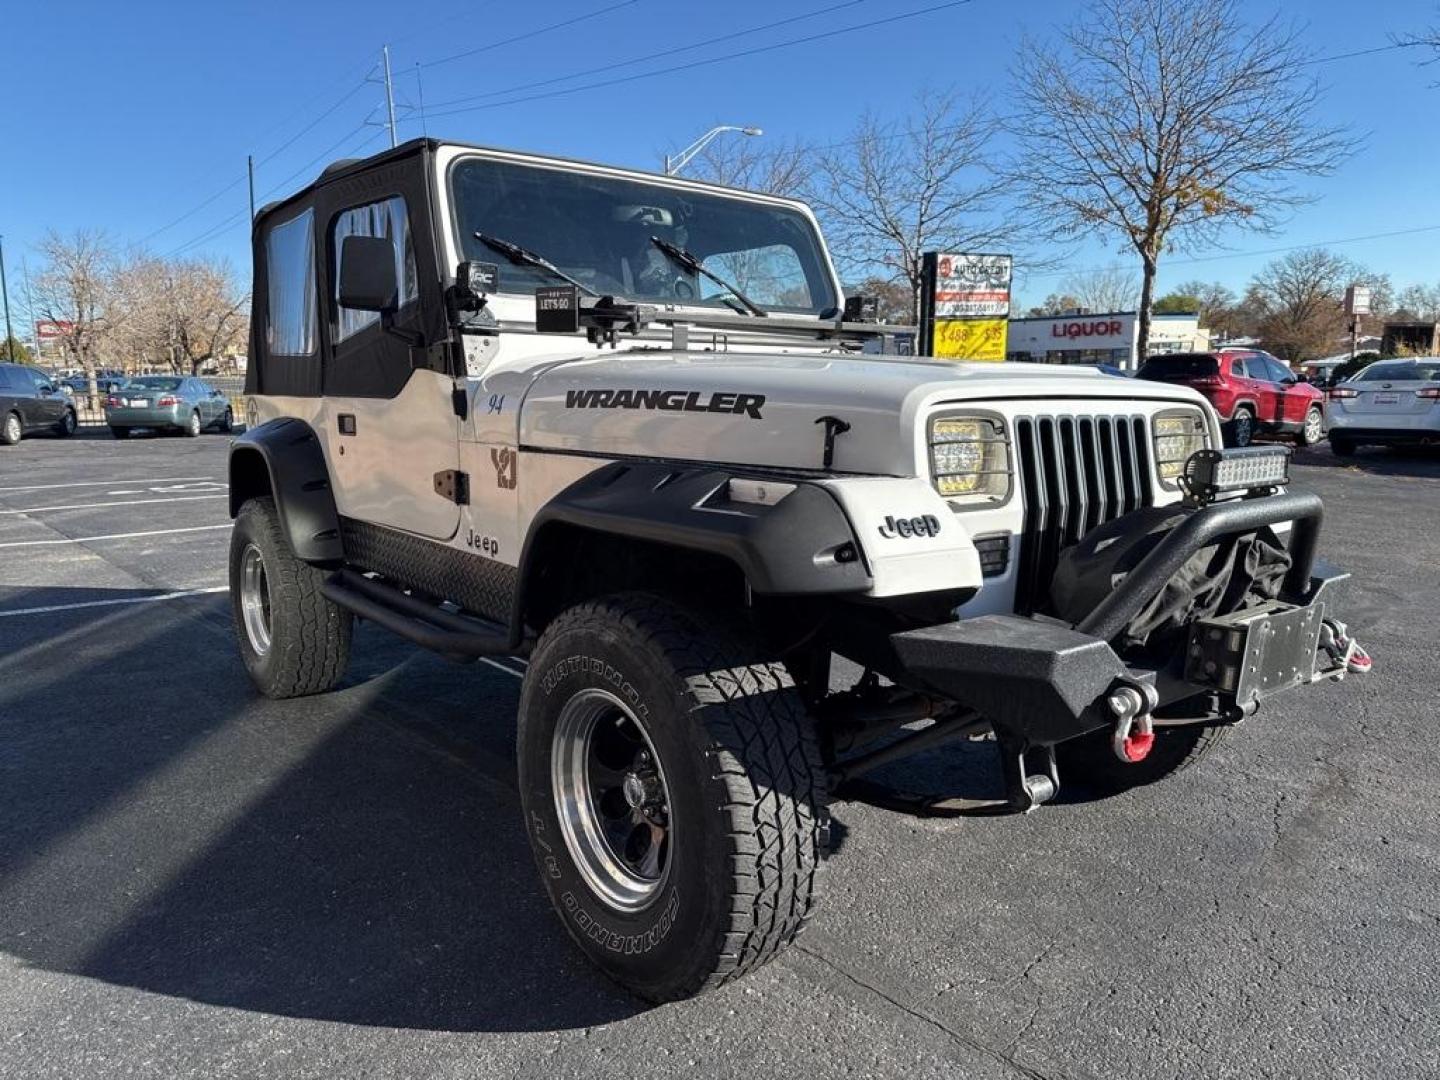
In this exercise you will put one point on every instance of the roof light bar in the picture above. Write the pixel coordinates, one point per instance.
(1209, 473)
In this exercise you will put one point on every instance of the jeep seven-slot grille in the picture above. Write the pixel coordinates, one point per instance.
(1076, 472)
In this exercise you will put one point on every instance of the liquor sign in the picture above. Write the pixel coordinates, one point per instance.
(52, 331)
(966, 305)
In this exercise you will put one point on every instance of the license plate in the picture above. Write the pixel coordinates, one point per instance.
(138, 403)
(1387, 399)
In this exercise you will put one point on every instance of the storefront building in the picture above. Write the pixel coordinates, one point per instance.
(1102, 339)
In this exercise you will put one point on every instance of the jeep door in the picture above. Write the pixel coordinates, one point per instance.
(391, 428)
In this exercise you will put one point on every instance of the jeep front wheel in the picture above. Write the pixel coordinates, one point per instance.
(673, 793)
(293, 639)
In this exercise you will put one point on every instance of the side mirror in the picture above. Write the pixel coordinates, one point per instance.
(367, 274)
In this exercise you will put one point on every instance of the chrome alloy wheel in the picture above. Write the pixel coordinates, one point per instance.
(255, 599)
(611, 799)
(12, 428)
(1314, 427)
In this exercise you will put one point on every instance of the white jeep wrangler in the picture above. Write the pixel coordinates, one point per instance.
(627, 425)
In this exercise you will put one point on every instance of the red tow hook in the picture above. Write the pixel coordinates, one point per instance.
(1134, 735)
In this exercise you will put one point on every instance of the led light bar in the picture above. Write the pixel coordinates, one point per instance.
(1209, 473)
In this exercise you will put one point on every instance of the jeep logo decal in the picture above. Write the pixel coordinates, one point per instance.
(929, 525)
(666, 401)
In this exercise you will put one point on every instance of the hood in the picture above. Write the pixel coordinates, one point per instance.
(768, 409)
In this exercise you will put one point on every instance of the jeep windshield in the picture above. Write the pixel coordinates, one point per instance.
(597, 230)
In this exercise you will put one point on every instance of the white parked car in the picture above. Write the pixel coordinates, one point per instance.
(1390, 403)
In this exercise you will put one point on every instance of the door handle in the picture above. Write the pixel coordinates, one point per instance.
(345, 422)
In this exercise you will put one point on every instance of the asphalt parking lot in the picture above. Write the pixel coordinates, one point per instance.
(195, 881)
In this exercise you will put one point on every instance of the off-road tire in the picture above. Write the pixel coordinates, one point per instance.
(1342, 447)
(745, 783)
(120, 432)
(1240, 431)
(67, 424)
(309, 634)
(12, 429)
(1090, 764)
(1312, 433)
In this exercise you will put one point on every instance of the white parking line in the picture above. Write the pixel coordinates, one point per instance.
(103, 483)
(501, 667)
(97, 506)
(112, 536)
(115, 602)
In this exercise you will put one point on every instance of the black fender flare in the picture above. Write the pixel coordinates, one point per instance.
(802, 545)
(283, 458)
(1250, 404)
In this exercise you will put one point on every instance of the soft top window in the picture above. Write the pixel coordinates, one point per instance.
(292, 323)
(1179, 366)
(598, 230)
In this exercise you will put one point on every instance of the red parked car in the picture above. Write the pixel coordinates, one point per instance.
(1253, 392)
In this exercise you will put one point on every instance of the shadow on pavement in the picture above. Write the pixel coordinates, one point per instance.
(355, 857)
(1381, 461)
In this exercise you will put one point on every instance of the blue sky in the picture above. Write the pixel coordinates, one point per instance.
(130, 116)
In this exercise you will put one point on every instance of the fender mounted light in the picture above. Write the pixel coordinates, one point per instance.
(1209, 473)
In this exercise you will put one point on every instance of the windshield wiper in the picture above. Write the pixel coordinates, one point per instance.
(522, 257)
(683, 258)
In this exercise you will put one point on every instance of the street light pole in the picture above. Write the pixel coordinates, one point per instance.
(5, 292)
(674, 164)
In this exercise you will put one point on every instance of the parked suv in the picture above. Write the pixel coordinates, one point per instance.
(1253, 392)
(621, 423)
(30, 402)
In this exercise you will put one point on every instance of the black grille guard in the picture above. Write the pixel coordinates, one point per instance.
(1043, 682)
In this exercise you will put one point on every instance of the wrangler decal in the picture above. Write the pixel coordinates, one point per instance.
(667, 401)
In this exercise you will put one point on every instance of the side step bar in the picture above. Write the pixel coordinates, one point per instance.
(461, 637)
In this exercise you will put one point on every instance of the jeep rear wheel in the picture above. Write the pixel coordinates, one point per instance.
(673, 793)
(293, 640)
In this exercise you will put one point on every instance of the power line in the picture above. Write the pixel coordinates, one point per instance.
(756, 51)
(650, 56)
(574, 20)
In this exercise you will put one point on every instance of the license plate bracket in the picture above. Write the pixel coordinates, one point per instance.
(1387, 399)
(1256, 652)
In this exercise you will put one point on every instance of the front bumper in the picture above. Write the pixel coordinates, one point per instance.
(1040, 682)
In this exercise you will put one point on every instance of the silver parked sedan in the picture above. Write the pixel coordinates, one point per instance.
(167, 403)
(1389, 403)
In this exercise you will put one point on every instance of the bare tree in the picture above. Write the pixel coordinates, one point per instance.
(1056, 304)
(181, 312)
(893, 191)
(1215, 304)
(1103, 290)
(776, 168)
(73, 291)
(1418, 302)
(1299, 302)
(1163, 122)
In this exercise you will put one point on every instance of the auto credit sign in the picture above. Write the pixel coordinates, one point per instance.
(972, 286)
(965, 305)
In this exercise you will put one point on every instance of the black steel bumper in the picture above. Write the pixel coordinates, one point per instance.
(1041, 682)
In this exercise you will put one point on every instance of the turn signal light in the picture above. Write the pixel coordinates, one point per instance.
(1432, 392)
(113, 402)
(1344, 392)
(168, 401)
